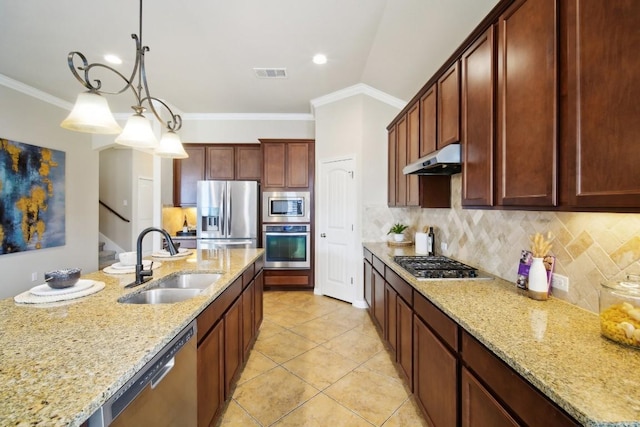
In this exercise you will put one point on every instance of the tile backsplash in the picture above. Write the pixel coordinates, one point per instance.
(590, 248)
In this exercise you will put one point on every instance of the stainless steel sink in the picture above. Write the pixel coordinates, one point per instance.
(160, 296)
(187, 281)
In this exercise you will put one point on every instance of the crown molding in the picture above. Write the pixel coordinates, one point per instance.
(33, 92)
(247, 116)
(358, 89)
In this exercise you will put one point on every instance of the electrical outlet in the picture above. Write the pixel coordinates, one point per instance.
(560, 282)
(443, 246)
(34, 276)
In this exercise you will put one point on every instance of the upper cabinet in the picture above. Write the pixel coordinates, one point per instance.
(602, 126)
(527, 119)
(428, 122)
(478, 75)
(449, 106)
(288, 164)
(213, 161)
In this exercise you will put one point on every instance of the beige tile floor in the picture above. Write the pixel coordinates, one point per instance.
(319, 362)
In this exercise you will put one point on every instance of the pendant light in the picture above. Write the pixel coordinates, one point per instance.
(91, 111)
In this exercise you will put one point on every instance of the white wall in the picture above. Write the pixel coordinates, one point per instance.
(356, 126)
(25, 119)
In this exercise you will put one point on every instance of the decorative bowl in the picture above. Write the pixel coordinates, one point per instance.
(60, 279)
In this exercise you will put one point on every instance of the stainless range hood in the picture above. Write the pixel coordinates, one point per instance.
(445, 161)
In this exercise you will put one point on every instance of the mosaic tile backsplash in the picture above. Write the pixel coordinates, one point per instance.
(590, 248)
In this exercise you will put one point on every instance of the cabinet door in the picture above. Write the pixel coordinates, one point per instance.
(186, 173)
(413, 153)
(210, 375)
(220, 163)
(297, 165)
(259, 305)
(390, 326)
(527, 110)
(449, 106)
(274, 164)
(248, 321)
(392, 167)
(428, 122)
(232, 344)
(603, 109)
(434, 376)
(248, 161)
(479, 408)
(378, 298)
(404, 334)
(368, 285)
(477, 122)
(401, 162)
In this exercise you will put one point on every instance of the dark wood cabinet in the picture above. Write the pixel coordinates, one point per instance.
(232, 344)
(186, 173)
(213, 161)
(479, 408)
(527, 114)
(378, 299)
(401, 162)
(477, 123)
(392, 167)
(258, 305)
(391, 320)
(435, 372)
(211, 375)
(404, 340)
(449, 106)
(428, 121)
(601, 106)
(413, 154)
(368, 282)
(288, 164)
(248, 318)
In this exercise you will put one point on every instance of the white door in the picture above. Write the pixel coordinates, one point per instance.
(336, 209)
(144, 217)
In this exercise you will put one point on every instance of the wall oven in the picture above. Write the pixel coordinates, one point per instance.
(286, 206)
(287, 246)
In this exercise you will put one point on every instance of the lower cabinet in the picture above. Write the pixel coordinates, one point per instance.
(455, 379)
(227, 329)
(435, 376)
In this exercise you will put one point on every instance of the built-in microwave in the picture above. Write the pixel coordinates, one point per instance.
(286, 206)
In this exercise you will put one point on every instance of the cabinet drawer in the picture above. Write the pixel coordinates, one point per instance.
(446, 328)
(216, 309)
(400, 285)
(531, 406)
(247, 276)
(378, 265)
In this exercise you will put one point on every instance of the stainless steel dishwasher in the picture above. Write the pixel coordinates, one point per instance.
(163, 393)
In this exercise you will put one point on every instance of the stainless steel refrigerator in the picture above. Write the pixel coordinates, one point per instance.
(227, 214)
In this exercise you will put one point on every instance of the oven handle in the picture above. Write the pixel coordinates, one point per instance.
(271, 233)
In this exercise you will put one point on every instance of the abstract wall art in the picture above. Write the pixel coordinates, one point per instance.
(32, 197)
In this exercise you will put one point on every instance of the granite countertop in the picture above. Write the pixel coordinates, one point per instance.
(554, 345)
(60, 362)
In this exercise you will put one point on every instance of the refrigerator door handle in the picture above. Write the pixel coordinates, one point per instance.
(229, 211)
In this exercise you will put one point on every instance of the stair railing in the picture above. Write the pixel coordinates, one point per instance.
(113, 211)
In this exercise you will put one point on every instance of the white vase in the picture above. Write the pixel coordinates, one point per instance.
(398, 237)
(538, 287)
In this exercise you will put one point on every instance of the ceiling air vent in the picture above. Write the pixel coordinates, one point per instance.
(271, 73)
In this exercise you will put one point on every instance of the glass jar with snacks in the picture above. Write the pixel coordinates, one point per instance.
(620, 311)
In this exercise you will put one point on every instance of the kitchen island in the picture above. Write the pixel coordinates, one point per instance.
(553, 345)
(60, 362)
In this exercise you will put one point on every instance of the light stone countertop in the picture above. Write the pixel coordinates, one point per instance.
(60, 362)
(554, 345)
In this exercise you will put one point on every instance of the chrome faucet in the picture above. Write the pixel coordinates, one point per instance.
(143, 275)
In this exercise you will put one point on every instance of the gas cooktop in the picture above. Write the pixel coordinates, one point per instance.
(437, 268)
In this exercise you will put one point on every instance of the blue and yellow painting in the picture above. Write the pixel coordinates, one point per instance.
(32, 199)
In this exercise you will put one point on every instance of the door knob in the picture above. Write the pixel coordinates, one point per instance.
(323, 235)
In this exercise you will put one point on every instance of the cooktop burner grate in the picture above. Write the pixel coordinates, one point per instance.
(436, 267)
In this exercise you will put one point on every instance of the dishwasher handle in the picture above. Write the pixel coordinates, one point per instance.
(163, 372)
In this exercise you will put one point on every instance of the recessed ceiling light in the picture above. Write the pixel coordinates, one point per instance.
(319, 59)
(113, 59)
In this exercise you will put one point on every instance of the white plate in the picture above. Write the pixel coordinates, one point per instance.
(46, 290)
(120, 266)
(165, 254)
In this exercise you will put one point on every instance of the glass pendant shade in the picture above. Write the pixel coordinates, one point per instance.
(171, 146)
(137, 133)
(91, 114)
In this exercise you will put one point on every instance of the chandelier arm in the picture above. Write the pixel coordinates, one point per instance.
(174, 124)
